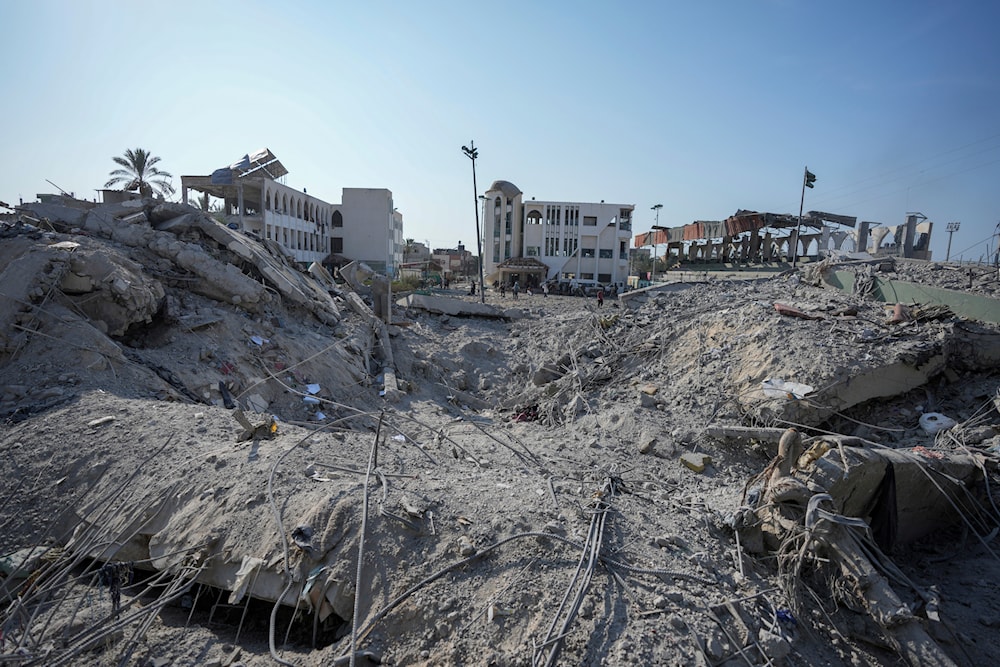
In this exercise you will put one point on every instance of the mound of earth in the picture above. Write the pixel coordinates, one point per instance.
(206, 465)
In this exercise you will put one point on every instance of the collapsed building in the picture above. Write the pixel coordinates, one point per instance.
(208, 466)
(752, 237)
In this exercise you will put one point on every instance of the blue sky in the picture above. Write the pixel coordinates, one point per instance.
(706, 107)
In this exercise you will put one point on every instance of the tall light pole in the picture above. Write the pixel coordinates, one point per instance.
(656, 225)
(952, 227)
(472, 152)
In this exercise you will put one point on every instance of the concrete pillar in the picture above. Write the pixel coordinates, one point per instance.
(910, 233)
(861, 238)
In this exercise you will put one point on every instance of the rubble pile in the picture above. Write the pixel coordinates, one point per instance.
(216, 458)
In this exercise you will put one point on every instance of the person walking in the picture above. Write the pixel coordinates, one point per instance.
(545, 289)
(503, 288)
(600, 297)
(516, 288)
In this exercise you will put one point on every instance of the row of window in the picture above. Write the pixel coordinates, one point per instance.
(295, 239)
(569, 247)
(301, 207)
(601, 277)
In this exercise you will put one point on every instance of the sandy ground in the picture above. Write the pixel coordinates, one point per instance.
(523, 501)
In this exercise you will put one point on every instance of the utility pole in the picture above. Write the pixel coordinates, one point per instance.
(808, 178)
(472, 153)
(952, 227)
(656, 226)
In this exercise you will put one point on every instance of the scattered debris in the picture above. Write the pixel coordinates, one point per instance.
(481, 485)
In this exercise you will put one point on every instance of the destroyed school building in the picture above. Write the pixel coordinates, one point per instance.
(752, 237)
(538, 241)
(365, 226)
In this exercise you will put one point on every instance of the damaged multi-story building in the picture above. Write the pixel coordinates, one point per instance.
(364, 226)
(750, 236)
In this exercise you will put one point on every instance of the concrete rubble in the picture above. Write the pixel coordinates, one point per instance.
(215, 457)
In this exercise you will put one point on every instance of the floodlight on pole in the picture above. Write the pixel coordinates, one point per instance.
(472, 153)
(656, 225)
(951, 228)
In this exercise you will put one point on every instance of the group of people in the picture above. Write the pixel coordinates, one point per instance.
(515, 289)
(574, 289)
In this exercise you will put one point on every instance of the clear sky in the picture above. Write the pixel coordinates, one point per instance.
(705, 106)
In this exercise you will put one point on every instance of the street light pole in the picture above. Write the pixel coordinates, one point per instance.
(952, 228)
(472, 152)
(656, 226)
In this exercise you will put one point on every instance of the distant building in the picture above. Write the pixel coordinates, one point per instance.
(365, 226)
(456, 261)
(535, 241)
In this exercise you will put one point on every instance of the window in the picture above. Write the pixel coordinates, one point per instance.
(569, 247)
(532, 251)
(552, 247)
(338, 221)
(586, 276)
(587, 253)
(606, 253)
(569, 276)
(625, 218)
(604, 277)
(534, 218)
(337, 243)
(553, 215)
(590, 220)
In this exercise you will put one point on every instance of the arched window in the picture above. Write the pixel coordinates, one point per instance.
(284, 204)
(338, 219)
(267, 200)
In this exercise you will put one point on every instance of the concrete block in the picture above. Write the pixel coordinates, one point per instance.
(696, 461)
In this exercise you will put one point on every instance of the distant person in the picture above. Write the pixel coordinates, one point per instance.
(503, 288)
(516, 289)
(472, 289)
(545, 289)
(600, 297)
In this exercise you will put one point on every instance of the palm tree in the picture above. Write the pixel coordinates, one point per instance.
(139, 174)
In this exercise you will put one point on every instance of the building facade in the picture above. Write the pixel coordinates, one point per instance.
(585, 243)
(365, 226)
(368, 228)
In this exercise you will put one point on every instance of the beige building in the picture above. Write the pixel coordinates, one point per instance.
(585, 243)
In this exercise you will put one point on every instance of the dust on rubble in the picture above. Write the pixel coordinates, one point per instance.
(560, 484)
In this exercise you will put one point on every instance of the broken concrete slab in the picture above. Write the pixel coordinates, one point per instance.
(443, 305)
(963, 304)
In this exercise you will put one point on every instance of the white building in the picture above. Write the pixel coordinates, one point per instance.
(567, 241)
(365, 226)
